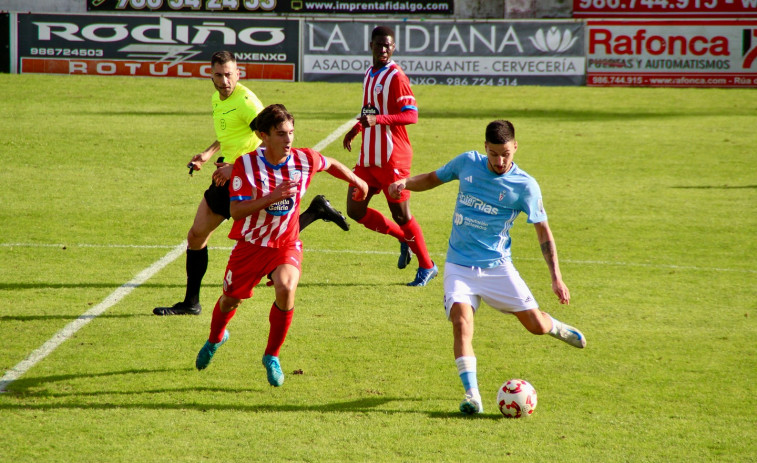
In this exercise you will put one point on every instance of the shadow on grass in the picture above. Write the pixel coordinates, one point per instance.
(20, 385)
(31, 318)
(21, 390)
(595, 115)
(359, 405)
(43, 285)
(717, 187)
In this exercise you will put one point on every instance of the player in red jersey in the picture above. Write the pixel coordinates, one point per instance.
(234, 107)
(266, 188)
(386, 154)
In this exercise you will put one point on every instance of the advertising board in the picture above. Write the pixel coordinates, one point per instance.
(303, 7)
(495, 53)
(158, 46)
(664, 8)
(672, 53)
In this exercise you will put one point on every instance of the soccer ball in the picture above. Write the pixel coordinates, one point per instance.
(516, 398)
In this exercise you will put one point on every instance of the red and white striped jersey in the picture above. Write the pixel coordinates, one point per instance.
(254, 177)
(388, 90)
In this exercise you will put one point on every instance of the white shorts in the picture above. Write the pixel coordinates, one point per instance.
(500, 287)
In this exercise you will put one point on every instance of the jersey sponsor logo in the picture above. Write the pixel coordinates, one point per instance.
(280, 208)
(236, 183)
(458, 220)
(369, 110)
(475, 203)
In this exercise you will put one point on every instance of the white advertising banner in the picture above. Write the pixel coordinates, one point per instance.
(452, 52)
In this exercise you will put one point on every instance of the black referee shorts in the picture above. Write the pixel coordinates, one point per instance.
(217, 198)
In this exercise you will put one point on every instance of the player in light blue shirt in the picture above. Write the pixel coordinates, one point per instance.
(487, 205)
(493, 190)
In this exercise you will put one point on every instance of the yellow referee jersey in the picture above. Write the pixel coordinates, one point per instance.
(231, 119)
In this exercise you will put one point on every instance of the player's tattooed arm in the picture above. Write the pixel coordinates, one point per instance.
(549, 251)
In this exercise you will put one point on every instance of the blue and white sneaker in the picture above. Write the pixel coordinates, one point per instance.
(424, 275)
(208, 350)
(471, 405)
(568, 334)
(273, 370)
(406, 255)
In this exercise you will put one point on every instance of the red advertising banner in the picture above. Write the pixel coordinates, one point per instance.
(664, 8)
(714, 53)
(103, 67)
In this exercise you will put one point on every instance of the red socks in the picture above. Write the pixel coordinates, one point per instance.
(280, 322)
(413, 235)
(410, 233)
(218, 322)
(375, 220)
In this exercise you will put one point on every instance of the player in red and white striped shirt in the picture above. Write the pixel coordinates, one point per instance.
(266, 188)
(386, 154)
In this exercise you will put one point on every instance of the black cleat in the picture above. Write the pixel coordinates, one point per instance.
(406, 255)
(180, 308)
(322, 208)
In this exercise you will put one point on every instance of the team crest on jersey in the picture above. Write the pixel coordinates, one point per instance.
(377, 89)
(501, 195)
(282, 207)
(236, 183)
(295, 176)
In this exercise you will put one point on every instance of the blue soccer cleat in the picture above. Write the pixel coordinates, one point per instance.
(273, 370)
(406, 255)
(424, 275)
(208, 350)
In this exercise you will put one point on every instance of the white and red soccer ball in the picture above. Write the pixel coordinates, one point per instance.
(516, 398)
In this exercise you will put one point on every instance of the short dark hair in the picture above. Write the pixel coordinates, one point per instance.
(222, 57)
(382, 31)
(270, 117)
(500, 132)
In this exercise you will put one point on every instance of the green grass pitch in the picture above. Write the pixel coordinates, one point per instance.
(651, 194)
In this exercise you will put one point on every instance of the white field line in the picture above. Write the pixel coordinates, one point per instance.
(69, 330)
(341, 130)
(115, 297)
(366, 252)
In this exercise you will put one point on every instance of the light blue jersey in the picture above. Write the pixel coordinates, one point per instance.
(487, 205)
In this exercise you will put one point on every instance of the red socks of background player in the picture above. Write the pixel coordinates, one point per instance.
(413, 235)
(410, 233)
(280, 321)
(375, 220)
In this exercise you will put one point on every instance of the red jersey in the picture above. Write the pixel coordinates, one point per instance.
(253, 177)
(386, 91)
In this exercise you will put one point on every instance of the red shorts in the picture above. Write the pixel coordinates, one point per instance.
(249, 263)
(379, 179)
